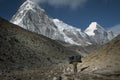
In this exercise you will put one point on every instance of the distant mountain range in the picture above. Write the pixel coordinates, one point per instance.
(32, 17)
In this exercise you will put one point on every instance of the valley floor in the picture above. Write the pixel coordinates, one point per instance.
(62, 72)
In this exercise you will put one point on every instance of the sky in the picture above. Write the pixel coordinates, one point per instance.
(78, 13)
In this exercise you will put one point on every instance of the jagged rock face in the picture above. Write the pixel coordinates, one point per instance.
(98, 34)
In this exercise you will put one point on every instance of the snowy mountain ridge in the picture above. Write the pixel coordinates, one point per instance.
(61, 27)
(75, 35)
(32, 17)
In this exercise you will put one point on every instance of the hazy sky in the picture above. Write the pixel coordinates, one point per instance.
(79, 13)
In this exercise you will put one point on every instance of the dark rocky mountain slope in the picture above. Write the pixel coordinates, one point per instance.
(23, 52)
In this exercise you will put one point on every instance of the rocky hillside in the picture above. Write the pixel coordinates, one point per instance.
(21, 50)
(104, 64)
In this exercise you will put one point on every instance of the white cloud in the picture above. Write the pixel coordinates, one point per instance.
(62, 3)
(115, 29)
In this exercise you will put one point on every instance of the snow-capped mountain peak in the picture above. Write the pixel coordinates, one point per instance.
(30, 5)
(98, 33)
(24, 8)
(92, 27)
(32, 17)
